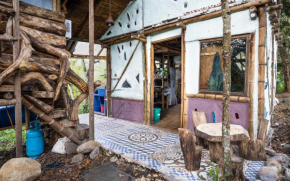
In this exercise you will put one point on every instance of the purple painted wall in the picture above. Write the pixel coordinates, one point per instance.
(127, 110)
(208, 106)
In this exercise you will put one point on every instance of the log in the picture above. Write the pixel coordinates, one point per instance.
(197, 119)
(25, 8)
(5, 102)
(191, 153)
(45, 38)
(67, 124)
(216, 151)
(36, 76)
(74, 116)
(274, 7)
(43, 94)
(8, 96)
(6, 88)
(25, 53)
(81, 131)
(252, 149)
(38, 103)
(52, 77)
(58, 114)
(43, 25)
(237, 168)
(64, 64)
(51, 121)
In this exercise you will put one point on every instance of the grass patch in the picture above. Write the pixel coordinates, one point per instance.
(7, 139)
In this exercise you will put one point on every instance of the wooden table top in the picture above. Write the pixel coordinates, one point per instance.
(213, 132)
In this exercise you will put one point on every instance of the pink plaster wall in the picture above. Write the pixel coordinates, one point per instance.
(208, 106)
(127, 110)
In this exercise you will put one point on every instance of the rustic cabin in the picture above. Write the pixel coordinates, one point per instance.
(164, 75)
(170, 57)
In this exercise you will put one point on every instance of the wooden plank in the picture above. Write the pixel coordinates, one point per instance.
(6, 88)
(198, 118)
(91, 69)
(43, 94)
(17, 81)
(27, 118)
(183, 123)
(38, 103)
(61, 113)
(145, 84)
(5, 102)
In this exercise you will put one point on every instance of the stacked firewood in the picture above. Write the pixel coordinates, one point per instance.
(44, 66)
(274, 17)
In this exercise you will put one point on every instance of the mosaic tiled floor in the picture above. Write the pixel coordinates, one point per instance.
(153, 148)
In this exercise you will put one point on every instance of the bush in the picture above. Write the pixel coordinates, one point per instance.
(7, 139)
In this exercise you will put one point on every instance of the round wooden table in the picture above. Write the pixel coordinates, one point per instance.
(213, 133)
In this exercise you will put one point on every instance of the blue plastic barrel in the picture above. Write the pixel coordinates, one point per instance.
(34, 141)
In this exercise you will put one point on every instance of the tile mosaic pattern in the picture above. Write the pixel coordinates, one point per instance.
(153, 148)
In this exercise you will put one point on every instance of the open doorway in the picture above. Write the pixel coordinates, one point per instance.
(167, 84)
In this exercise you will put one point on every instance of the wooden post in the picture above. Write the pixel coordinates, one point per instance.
(262, 64)
(226, 119)
(145, 84)
(109, 82)
(183, 97)
(17, 83)
(27, 118)
(251, 86)
(91, 68)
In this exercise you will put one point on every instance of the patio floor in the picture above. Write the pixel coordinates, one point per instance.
(153, 148)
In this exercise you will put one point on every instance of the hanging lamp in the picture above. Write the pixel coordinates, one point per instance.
(110, 22)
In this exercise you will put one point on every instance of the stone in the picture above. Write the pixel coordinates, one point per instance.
(276, 164)
(81, 131)
(287, 173)
(71, 148)
(268, 173)
(24, 169)
(78, 158)
(114, 159)
(88, 147)
(270, 152)
(281, 158)
(95, 153)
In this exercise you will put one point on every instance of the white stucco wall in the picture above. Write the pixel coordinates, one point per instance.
(135, 67)
(155, 12)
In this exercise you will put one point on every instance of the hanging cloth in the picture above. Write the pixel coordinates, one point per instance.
(172, 98)
(215, 82)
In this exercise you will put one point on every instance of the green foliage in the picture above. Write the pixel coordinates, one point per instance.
(285, 22)
(7, 139)
(280, 83)
(214, 173)
(99, 74)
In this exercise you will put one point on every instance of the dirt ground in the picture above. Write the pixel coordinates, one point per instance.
(59, 167)
(281, 125)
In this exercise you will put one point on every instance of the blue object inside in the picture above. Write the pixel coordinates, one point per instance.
(46, 4)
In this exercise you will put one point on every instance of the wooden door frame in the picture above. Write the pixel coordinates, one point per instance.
(151, 85)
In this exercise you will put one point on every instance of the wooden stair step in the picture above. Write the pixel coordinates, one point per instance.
(59, 113)
(43, 94)
(38, 103)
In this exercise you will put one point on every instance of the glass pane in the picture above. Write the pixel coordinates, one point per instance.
(211, 65)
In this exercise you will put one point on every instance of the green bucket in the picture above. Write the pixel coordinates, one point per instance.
(156, 115)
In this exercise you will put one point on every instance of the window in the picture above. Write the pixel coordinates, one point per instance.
(211, 65)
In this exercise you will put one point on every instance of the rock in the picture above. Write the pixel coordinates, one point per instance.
(270, 151)
(281, 158)
(88, 147)
(71, 148)
(24, 169)
(268, 173)
(277, 124)
(114, 159)
(276, 164)
(287, 173)
(78, 158)
(81, 131)
(95, 153)
(85, 140)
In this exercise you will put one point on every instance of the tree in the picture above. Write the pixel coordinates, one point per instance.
(226, 15)
(285, 43)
